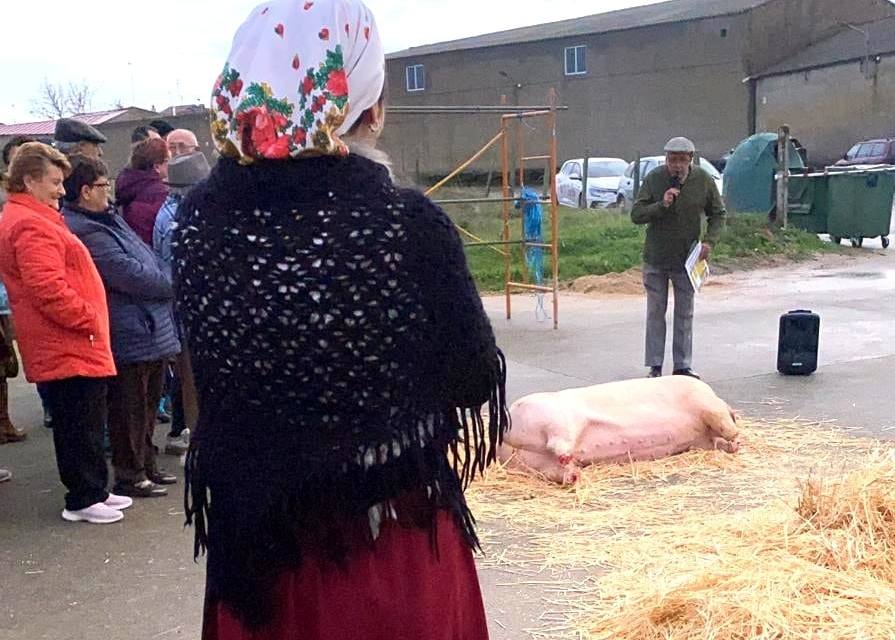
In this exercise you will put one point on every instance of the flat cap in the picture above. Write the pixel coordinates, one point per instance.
(680, 145)
(71, 130)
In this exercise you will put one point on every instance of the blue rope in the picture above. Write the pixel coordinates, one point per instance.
(532, 230)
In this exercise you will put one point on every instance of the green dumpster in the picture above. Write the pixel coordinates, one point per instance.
(749, 174)
(854, 204)
(809, 202)
(861, 205)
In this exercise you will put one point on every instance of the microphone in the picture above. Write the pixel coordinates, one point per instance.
(676, 184)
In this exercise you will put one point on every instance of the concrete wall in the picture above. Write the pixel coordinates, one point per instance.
(830, 109)
(642, 86)
(779, 28)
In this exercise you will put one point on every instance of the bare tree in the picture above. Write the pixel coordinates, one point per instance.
(79, 97)
(59, 101)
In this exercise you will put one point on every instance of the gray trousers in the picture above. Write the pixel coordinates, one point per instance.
(655, 281)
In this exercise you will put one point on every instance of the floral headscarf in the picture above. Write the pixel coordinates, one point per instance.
(299, 75)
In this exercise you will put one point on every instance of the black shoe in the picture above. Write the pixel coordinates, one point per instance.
(162, 477)
(654, 372)
(144, 489)
(686, 372)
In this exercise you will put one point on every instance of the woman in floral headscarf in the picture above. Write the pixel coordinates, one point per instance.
(334, 315)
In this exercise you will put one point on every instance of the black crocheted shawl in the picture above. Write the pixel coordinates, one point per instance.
(342, 358)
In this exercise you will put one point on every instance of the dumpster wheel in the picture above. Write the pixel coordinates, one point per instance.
(857, 242)
(885, 240)
(836, 239)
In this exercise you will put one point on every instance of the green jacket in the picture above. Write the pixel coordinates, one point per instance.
(673, 230)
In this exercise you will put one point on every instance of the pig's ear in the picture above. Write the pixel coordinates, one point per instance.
(734, 415)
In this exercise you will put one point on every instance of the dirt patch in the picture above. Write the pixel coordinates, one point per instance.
(630, 283)
(627, 283)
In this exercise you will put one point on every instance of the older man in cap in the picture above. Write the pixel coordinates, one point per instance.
(73, 136)
(182, 142)
(672, 201)
(184, 172)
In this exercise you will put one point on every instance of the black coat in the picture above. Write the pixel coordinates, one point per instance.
(334, 315)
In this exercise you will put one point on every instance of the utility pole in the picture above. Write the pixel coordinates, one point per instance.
(783, 175)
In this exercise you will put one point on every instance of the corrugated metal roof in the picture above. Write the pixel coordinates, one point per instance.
(844, 46)
(48, 127)
(635, 17)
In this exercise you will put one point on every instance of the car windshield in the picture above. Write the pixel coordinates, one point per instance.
(710, 168)
(606, 168)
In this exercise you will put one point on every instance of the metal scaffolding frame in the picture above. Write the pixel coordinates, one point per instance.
(509, 114)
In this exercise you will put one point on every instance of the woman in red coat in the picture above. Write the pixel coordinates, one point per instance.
(333, 314)
(62, 323)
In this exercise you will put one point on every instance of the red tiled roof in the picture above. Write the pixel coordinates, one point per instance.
(47, 127)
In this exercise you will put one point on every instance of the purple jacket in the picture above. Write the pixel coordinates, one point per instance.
(140, 194)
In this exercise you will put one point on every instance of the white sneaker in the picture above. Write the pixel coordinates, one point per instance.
(178, 446)
(5, 475)
(118, 502)
(97, 513)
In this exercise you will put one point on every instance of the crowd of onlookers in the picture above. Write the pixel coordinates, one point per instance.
(87, 296)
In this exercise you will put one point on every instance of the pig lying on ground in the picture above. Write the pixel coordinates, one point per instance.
(555, 434)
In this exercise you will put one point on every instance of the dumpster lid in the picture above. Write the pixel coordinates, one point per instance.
(854, 170)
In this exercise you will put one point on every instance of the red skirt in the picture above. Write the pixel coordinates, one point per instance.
(394, 590)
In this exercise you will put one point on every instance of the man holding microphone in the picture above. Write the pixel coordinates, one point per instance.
(671, 202)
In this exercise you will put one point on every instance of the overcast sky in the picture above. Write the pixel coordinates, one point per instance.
(155, 54)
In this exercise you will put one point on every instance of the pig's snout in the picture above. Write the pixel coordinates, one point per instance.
(571, 475)
(571, 470)
(728, 446)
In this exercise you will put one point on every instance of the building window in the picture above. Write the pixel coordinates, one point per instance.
(416, 77)
(723, 33)
(576, 60)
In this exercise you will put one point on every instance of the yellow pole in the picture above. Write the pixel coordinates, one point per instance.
(453, 174)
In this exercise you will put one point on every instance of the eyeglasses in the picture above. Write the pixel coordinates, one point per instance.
(181, 147)
(102, 185)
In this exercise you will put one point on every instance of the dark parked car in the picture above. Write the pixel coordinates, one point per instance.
(881, 151)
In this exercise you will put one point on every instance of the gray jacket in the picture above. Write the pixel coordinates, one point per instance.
(140, 295)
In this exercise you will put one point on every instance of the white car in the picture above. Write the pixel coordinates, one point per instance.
(603, 176)
(626, 186)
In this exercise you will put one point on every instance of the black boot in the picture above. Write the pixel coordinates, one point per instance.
(654, 372)
(686, 372)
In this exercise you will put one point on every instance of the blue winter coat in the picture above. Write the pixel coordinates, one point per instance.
(164, 228)
(139, 294)
(4, 301)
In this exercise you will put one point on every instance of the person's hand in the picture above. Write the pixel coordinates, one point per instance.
(706, 251)
(670, 196)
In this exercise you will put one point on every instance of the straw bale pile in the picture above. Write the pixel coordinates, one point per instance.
(791, 539)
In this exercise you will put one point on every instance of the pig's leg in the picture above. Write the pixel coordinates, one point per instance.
(721, 420)
(545, 464)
